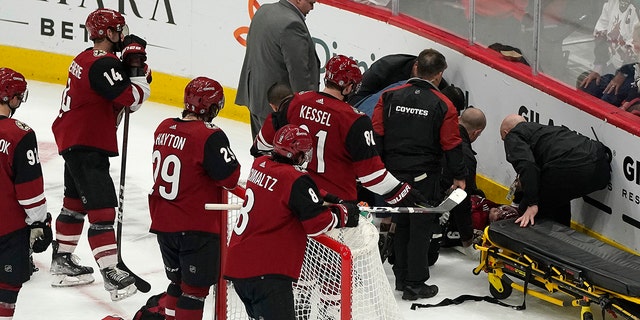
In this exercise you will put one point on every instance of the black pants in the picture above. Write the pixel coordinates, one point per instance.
(460, 220)
(14, 258)
(267, 299)
(413, 235)
(559, 186)
(86, 177)
(191, 257)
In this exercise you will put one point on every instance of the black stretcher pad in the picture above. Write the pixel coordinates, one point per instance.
(600, 264)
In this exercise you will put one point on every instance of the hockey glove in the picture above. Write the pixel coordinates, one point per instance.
(41, 235)
(404, 196)
(134, 56)
(348, 214)
(134, 52)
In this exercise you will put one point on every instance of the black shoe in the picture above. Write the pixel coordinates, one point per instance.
(419, 292)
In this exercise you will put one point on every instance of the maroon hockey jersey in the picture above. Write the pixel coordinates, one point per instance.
(97, 89)
(192, 161)
(344, 149)
(22, 198)
(281, 207)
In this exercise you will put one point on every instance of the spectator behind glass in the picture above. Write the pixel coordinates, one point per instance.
(613, 49)
(633, 96)
(498, 21)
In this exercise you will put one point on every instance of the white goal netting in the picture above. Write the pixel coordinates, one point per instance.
(341, 278)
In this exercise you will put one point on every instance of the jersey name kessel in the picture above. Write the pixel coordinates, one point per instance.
(262, 180)
(170, 140)
(313, 114)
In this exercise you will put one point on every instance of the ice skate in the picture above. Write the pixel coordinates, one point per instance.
(66, 271)
(119, 283)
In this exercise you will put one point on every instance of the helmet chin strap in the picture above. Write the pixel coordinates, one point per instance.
(346, 96)
(117, 46)
(13, 110)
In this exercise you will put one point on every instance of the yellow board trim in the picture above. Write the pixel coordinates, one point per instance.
(166, 88)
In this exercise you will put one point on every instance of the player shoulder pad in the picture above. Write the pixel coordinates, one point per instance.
(211, 126)
(99, 53)
(22, 125)
(357, 111)
(300, 168)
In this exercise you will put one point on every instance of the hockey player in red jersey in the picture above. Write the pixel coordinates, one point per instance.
(282, 206)
(344, 149)
(99, 86)
(25, 219)
(192, 161)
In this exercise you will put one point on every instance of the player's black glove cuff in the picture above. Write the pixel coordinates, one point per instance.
(41, 235)
(332, 198)
(348, 214)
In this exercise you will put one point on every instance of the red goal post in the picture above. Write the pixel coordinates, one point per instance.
(341, 278)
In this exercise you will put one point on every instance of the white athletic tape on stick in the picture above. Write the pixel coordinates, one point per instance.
(222, 206)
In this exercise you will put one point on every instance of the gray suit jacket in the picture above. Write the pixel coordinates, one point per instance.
(279, 49)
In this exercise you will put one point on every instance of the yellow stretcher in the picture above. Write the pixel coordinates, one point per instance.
(555, 258)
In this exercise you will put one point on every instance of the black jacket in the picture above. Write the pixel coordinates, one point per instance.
(533, 148)
(470, 162)
(415, 125)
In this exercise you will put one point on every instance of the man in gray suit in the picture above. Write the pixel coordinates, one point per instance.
(279, 49)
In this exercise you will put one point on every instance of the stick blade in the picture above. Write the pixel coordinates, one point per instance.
(454, 199)
(141, 284)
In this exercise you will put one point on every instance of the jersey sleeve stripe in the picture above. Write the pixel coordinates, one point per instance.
(141, 91)
(262, 144)
(333, 224)
(27, 202)
(38, 213)
(379, 182)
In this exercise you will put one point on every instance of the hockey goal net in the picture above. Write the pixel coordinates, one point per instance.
(342, 276)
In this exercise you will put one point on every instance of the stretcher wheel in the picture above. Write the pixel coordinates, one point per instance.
(587, 316)
(496, 293)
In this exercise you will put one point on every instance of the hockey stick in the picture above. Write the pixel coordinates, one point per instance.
(222, 206)
(445, 206)
(140, 283)
(449, 203)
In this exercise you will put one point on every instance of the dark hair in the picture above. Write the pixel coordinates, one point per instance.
(457, 97)
(278, 92)
(430, 62)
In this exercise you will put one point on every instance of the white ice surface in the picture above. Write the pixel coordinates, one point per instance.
(38, 300)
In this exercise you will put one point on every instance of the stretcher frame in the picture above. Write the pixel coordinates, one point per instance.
(534, 268)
